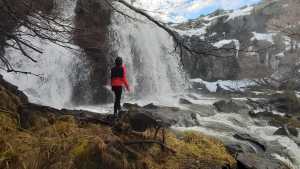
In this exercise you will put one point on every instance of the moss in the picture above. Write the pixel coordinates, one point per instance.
(293, 103)
(80, 148)
(193, 150)
(8, 100)
(7, 123)
(279, 121)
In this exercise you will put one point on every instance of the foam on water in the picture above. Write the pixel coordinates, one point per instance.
(225, 125)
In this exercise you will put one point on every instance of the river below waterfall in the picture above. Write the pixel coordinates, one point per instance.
(225, 125)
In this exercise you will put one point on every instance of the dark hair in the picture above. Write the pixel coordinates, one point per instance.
(118, 61)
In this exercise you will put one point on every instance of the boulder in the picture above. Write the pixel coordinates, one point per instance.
(167, 115)
(230, 106)
(184, 101)
(286, 102)
(287, 131)
(151, 106)
(130, 106)
(257, 161)
(259, 145)
(235, 148)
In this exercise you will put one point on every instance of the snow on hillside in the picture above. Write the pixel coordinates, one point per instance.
(240, 12)
(210, 19)
(198, 32)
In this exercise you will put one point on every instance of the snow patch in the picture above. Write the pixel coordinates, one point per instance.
(240, 12)
(224, 42)
(225, 84)
(263, 36)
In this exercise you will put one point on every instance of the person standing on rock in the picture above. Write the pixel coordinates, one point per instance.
(118, 80)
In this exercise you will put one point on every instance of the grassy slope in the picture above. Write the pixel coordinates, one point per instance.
(60, 142)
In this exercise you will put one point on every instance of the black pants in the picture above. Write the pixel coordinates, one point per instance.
(118, 93)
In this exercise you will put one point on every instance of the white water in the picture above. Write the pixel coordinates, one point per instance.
(55, 65)
(148, 51)
(225, 125)
(154, 74)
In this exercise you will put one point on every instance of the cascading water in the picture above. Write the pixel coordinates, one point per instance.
(153, 70)
(55, 66)
(148, 51)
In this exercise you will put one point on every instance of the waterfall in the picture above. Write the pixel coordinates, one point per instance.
(55, 65)
(153, 67)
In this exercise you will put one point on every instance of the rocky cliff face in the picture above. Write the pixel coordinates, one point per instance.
(245, 29)
(91, 21)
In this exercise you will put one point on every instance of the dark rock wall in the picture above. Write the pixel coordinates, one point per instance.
(92, 21)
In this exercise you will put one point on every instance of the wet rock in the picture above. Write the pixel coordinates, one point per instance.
(198, 86)
(260, 146)
(257, 161)
(184, 101)
(168, 115)
(203, 110)
(130, 106)
(235, 148)
(287, 131)
(262, 113)
(140, 121)
(230, 106)
(14, 89)
(286, 102)
(151, 106)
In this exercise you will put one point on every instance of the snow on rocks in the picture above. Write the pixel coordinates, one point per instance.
(240, 12)
(263, 36)
(225, 84)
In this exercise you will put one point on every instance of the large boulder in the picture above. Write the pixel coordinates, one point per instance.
(286, 102)
(259, 145)
(166, 115)
(287, 131)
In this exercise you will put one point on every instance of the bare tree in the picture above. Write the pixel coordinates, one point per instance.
(288, 22)
(31, 18)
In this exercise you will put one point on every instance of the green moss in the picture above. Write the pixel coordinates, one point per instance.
(193, 150)
(80, 148)
(8, 100)
(279, 121)
(7, 122)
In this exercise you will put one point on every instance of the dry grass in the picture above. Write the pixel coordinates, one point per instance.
(194, 150)
(63, 143)
(66, 145)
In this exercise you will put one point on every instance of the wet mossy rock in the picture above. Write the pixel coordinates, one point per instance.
(11, 99)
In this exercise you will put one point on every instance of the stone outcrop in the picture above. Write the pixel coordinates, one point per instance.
(91, 22)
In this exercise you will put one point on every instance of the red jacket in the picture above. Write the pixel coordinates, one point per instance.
(118, 76)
